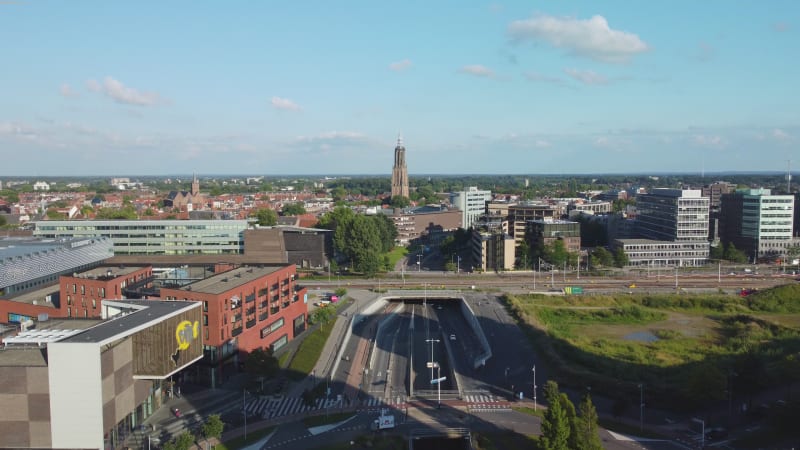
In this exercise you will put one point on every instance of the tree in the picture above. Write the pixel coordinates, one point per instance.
(717, 251)
(601, 258)
(706, 384)
(266, 217)
(293, 209)
(556, 253)
(523, 253)
(733, 254)
(261, 363)
(3, 220)
(620, 257)
(183, 442)
(555, 424)
(213, 427)
(586, 426)
(399, 201)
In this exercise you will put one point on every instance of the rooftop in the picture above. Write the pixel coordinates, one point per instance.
(231, 279)
(37, 297)
(26, 351)
(109, 272)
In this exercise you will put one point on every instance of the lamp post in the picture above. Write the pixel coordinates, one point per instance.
(244, 412)
(702, 431)
(676, 278)
(432, 341)
(641, 406)
(458, 265)
(534, 387)
(419, 262)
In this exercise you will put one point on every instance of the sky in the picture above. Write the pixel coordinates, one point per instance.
(326, 87)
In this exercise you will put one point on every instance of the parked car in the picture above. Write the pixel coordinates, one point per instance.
(452, 337)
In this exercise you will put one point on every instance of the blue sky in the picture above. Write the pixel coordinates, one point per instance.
(322, 87)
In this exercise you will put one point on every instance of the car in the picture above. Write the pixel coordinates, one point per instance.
(452, 337)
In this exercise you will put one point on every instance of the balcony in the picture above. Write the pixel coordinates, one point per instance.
(250, 298)
(236, 331)
(262, 292)
(251, 310)
(285, 305)
(263, 316)
(250, 323)
(274, 310)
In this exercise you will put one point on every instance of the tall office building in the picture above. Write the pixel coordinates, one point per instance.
(400, 171)
(757, 222)
(673, 226)
(472, 204)
(673, 215)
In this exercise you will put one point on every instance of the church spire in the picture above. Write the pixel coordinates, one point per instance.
(399, 139)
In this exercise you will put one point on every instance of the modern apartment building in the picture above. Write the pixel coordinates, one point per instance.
(412, 223)
(520, 214)
(492, 251)
(243, 309)
(472, 203)
(757, 222)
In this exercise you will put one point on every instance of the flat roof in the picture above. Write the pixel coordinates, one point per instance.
(142, 312)
(225, 281)
(39, 296)
(29, 354)
(116, 271)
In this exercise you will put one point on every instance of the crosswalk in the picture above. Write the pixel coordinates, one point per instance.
(374, 403)
(269, 408)
(486, 403)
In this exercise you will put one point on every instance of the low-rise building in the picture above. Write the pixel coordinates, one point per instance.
(653, 253)
(492, 251)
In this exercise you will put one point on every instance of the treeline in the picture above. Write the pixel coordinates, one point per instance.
(362, 240)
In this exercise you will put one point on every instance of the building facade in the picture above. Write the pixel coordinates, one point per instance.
(520, 214)
(88, 384)
(412, 223)
(545, 232)
(244, 309)
(400, 171)
(652, 253)
(471, 203)
(673, 215)
(154, 237)
(757, 222)
(492, 251)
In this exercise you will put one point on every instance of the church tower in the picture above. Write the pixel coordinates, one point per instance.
(400, 171)
(195, 186)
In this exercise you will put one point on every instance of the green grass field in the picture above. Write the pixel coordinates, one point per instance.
(309, 351)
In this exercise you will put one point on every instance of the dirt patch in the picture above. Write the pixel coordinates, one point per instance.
(696, 326)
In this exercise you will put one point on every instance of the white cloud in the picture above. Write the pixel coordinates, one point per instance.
(781, 135)
(67, 91)
(120, 93)
(400, 66)
(586, 76)
(284, 104)
(332, 137)
(477, 70)
(592, 38)
(703, 140)
(535, 76)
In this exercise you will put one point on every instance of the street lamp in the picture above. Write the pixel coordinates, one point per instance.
(534, 386)
(244, 412)
(432, 341)
(458, 265)
(702, 431)
(419, 262)
(641, 406)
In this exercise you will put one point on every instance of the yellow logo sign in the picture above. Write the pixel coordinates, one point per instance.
(186, 333)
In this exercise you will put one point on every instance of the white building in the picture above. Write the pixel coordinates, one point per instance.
(41, 186)
(673, 215)
(757, 222)
(472, 204)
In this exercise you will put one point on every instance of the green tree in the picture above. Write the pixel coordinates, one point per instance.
(339, 194)
(3, 220)
(524, 260)
(555, 424)
(213, 427)
(266, 217)
(706, 384)
(601, 258)
(183, 442)
(399, 201)
(262, 363)
(293, 209)
(556, 253)
(717, 251)
(620, 257)
(586, 426)
(733, 254)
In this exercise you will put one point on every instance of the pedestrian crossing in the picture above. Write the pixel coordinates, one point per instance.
(486, 403)
(374, 403)
(269, 408)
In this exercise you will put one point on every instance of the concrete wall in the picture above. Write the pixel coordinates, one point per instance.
(76, 395)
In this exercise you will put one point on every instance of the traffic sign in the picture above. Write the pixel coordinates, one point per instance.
(432, 365)
(438, 380)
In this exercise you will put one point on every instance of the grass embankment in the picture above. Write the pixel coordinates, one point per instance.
(309, 351)
(241, 442)
(680, 346)
(396, 254)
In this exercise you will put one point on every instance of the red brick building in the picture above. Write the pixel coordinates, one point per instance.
(81, 294)
(76, 296)
(244, 309)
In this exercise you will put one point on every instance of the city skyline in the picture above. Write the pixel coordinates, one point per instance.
(316, 88)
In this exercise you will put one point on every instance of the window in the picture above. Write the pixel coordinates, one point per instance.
(94, 304)
(102, 292)
(69, 312)
(205, 319)
(83, 289)
(205, 307)
(69, 300)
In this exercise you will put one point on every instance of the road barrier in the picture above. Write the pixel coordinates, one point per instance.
(469, 315)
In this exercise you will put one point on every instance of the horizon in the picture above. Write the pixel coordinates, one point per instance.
(556, 88)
